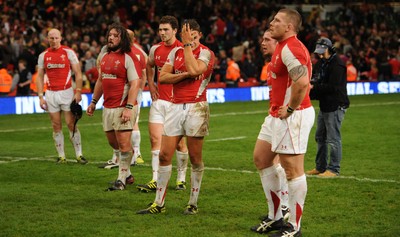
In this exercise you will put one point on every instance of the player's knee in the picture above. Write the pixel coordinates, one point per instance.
(198, 167)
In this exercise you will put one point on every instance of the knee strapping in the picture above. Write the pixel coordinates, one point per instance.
(126, 155)
(198, 167)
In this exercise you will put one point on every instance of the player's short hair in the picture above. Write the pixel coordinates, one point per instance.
(294, 17)
(193, 25)
(170, 20)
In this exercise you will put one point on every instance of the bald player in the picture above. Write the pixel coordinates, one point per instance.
(58, 62)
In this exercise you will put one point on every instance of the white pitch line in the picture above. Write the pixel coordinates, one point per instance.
(212, 115)
(225, 139)
(9, 159)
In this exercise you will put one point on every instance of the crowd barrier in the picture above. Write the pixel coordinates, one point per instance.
(30, 104)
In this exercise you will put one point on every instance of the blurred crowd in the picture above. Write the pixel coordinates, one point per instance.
(366, 35)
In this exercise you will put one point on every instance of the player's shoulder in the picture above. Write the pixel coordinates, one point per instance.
(66, 48)
(294, 42)
(155, 46)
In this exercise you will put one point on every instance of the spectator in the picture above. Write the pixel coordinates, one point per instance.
(33, 87)
(352, 74)
(92, 75)
(264, 72)
(232, 73)
(362, 65)
(248, 68)
(24, 78)
(353, 26)
(88, 62)
(222, 65)
(395, 66)
(5, 82)
(373, 73)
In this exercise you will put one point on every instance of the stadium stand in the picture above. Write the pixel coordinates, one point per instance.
(368, 33)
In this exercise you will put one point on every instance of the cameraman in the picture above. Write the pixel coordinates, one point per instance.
(328, 85)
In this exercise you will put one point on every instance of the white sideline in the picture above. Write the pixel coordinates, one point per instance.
(9, 159)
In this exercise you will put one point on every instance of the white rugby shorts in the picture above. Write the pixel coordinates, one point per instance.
(112, 119)
(191, 119)
(158, 110)
(59, 100)
(288, 136)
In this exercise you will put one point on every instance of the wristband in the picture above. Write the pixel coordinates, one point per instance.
(40, 94)
(129, 106)
(78, 89)
(185, 45)
(94, 101)
(289, 110)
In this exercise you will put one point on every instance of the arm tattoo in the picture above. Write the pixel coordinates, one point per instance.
(298, 72)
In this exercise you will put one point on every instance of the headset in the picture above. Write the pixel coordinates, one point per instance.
(331, 49)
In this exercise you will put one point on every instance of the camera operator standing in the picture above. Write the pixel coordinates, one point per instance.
(328, 85)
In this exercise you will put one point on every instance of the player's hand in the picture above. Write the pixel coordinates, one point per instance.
(126, 115)
(153, 92)
(78, 97)
(90, 109)
(200, 77)
(186, 34)
(43, 104)
(282, 112)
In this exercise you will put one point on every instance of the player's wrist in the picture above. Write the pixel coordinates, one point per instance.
(129, 106)
(289, 109)
(94, 101)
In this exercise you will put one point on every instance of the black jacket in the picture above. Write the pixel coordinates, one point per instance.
(329, 81)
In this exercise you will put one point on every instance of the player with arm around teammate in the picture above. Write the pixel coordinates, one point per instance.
(189, 69)
(161, 95)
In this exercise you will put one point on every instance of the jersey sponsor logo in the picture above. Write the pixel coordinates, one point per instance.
(178, 71)
(55, 65)
(108, 76)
